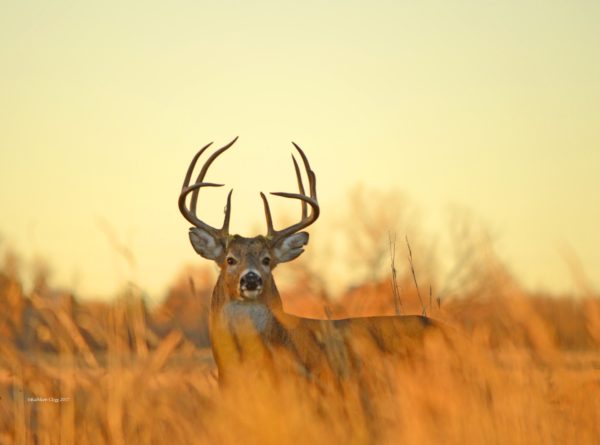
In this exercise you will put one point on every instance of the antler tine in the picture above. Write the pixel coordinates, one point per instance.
(225, 228)
(270, 228)
(188, 175)
(204, 169)
(311, 200)
(186, 189)
(312, 178)
(300, 186)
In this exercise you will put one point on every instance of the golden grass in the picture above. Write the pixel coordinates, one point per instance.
(523, 370)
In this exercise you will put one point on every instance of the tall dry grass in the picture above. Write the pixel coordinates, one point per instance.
(521, 368)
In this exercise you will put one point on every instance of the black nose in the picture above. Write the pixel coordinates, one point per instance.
(251, 281)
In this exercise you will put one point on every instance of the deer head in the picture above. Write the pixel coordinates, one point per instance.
(246, 263)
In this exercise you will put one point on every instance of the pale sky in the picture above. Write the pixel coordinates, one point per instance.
(492, 106)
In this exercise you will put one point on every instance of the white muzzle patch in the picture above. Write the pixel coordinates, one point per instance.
(251, 294)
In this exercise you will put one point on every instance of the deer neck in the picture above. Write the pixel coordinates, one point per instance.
(243, 330)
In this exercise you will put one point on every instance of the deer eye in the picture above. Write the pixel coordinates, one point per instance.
(266, 261)
(231, 261)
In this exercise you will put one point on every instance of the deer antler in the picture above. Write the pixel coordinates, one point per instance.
(307, 220)
(186, 189)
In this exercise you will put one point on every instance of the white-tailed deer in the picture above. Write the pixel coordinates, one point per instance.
(248, 324)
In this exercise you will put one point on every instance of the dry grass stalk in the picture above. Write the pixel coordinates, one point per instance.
(414, 275)
(395, 289)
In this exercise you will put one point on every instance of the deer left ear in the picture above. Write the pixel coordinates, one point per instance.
(290, 247)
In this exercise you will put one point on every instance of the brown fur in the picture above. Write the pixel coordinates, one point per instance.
(258, 334)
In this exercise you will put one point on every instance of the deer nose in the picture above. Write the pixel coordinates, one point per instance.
(251, 281)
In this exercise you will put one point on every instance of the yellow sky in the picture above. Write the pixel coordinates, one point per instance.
(489, 105)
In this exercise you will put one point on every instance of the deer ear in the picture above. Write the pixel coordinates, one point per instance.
(205, 244)
(290, 247)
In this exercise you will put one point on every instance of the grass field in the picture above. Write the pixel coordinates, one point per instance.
(524, 369)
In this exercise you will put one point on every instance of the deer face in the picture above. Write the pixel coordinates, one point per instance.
(246, 263)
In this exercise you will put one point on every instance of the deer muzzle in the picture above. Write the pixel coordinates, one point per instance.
(251, 285)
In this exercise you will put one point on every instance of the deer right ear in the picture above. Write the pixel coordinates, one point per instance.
(290, 247)
(206, 244)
